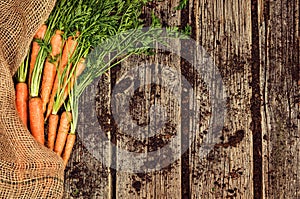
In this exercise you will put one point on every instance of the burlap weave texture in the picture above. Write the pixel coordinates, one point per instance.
(27, 169)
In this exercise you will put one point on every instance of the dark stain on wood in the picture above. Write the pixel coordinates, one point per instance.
(137, 185)
(233, 140)
(187, 71)
(256, 105)
(81, 174)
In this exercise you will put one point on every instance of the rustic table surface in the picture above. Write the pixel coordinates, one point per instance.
(255, 47)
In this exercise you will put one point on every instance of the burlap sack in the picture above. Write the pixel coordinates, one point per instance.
(27, 169)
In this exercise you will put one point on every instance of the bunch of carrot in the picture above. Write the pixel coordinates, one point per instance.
(39, 79)
(46, 82)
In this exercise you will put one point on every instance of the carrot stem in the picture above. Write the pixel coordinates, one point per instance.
(68, 51)
(70, 83)
(35, 49)
(21, 74)
(22, 91)
(37, 73)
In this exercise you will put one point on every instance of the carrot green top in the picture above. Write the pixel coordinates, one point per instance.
(21, 74)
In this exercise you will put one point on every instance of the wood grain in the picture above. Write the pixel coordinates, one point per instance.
(223, 28)
(279, 46)
(155, 112)
(87, 175)
(255, 47)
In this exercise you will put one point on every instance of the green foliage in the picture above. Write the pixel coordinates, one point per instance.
(118, 48)
(21, 73)
(108, 28)
(187, 30)
(155, 21)
(182, 4)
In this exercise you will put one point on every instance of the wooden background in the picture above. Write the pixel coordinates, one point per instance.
(255, 45)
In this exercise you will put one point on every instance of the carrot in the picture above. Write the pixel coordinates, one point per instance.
(22, 91)
(78, 71)
(62, 133)
(35, 50)
(79, 68)
(36, 119)
(68, 148)
(52, 128)
(22, 101)
(56, 43)
(67, 53)
(49, 71)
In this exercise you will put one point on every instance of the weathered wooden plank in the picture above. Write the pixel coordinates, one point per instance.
(164, 183)
(279, 47)
(87, 174)
(260, 73)
(154, 114)
(223, 28)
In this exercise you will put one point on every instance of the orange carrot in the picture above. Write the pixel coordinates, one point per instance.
(35, 50)
(56, 43)
(67, 53)
(52, 128)
(22, 101)
(47, 82)
(63, 130)
(36, 119)
(50, 69)
(79, 69)
(68, 148)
